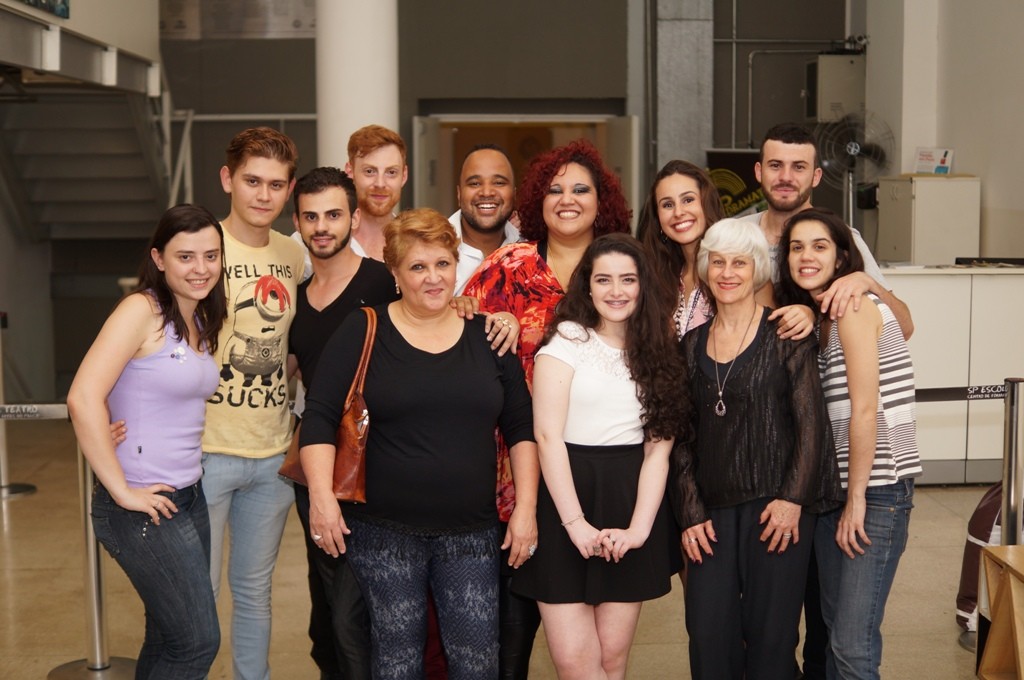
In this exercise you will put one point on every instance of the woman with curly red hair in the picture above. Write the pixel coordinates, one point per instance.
(566, 199)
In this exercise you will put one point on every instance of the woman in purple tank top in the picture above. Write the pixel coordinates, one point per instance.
(151, 366)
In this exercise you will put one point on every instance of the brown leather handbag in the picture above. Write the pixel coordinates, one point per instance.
(353, 429)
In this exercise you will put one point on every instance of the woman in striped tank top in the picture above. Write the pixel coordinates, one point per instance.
(868, 380)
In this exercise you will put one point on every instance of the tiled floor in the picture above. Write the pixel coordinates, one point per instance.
(42, 615)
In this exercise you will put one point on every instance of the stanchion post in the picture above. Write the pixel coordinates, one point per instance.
(95, 615)
(1013, 472)
(98, 664)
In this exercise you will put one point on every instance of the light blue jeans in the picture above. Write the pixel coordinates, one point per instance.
(246, 495)
(854, 591)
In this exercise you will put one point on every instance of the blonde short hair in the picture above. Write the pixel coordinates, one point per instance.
(423, 225)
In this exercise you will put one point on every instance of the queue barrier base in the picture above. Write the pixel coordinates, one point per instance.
(119, 669)
(12, 491)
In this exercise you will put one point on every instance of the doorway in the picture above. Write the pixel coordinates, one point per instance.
(441, 142)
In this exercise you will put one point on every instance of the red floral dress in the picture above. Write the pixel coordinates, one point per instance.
(516, 279)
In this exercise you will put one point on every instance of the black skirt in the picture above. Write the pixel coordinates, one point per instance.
(606, 479)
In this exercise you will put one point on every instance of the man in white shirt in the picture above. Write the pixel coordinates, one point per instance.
(486, 195)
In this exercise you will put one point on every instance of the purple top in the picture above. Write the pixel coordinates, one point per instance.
(162, 398)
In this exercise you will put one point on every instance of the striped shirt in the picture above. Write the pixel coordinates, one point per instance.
(896, 454)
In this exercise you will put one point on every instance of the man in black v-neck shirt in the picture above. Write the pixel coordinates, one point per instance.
(325, 217)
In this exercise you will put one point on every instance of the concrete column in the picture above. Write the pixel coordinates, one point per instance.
(356, 72)
(902, 73)
(685, 87)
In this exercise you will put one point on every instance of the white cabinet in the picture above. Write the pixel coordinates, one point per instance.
(939, 348)
(928, 219)
(969, 327)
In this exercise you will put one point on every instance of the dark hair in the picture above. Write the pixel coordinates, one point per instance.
(322, 178)
(211, 310)
(613, 214)
(791, 133)
(848, 257)
(652, 350)
(487, 146)
(263, 142)
(667, 255)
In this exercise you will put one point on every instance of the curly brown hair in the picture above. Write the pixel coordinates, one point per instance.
(613, 213)
(653, 355)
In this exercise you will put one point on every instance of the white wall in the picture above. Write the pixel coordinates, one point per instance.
(980, 100)
(129, 25)
(944, 73)
(25, 296)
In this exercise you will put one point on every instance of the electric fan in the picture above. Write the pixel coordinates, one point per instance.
(854, 152)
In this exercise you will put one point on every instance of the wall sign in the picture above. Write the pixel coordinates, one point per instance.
(233, 19)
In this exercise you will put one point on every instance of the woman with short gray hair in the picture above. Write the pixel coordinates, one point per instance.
(747, 486)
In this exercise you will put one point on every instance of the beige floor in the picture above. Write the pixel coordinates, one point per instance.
(42, 620)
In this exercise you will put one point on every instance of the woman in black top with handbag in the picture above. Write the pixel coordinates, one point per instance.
(435, 392)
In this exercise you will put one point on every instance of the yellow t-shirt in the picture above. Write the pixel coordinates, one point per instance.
(248, 414)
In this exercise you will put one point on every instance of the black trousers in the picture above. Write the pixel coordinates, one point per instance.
(815, 630)
(743, 603)
(339, 624)
(518, 619)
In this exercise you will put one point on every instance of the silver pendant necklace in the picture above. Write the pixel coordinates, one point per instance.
(720, 405)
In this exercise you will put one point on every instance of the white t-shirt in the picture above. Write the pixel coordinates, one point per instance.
(603, 405)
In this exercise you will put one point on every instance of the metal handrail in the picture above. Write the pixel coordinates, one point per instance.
(178, 172)
(183, 167)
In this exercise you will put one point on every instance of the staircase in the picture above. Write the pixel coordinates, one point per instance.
(82, 164)
(81, 168)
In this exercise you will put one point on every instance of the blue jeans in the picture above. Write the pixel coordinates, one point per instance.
(169, 566)
(246, 495)
(395, 571)
(854, 591)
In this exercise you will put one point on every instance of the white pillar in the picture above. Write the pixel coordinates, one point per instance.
(356, 72)
(902, 73)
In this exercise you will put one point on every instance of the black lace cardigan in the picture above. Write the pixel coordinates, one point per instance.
(774, 440)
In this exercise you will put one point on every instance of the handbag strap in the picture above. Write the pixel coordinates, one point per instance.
(364, 360)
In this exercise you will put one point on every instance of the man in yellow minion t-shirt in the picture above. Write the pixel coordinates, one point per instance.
(247, 419)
